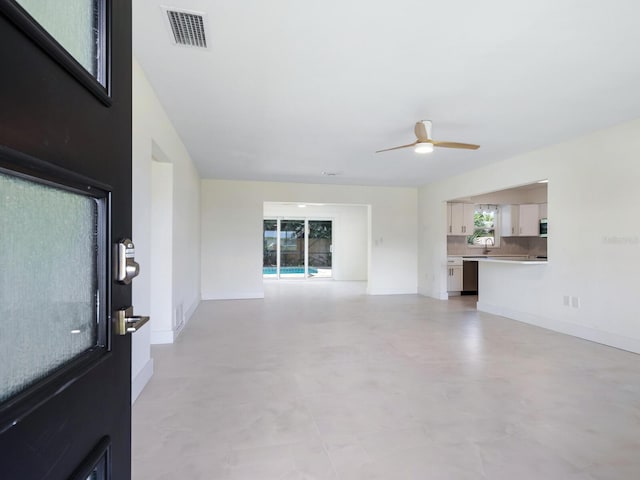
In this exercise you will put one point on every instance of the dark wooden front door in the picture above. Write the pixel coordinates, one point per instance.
(72, 137)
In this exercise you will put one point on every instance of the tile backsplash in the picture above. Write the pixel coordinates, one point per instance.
(457, 245)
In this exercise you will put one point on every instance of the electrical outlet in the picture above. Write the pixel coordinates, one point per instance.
(575, 302)
(565, 300)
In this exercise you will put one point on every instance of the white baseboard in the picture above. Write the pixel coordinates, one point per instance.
(160, 337)
(434, 294)
(189, 313)
(586, 333)
(233, 296)
(179, 329)
(191, 310)
(141, 379)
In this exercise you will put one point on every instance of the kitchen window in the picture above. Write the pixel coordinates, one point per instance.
(485, 222)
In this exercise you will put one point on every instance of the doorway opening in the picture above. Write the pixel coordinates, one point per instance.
(297, 248)
(316, 242)
(161, 248)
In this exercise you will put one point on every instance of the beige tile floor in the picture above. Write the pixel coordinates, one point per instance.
(319, 381)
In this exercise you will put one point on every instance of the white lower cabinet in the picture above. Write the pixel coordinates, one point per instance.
(454, 283)
(454, 274)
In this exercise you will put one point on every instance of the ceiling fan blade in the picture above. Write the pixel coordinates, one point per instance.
(467, 146)
(421, 132)
(397, 148)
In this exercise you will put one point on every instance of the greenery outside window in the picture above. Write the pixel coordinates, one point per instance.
(485, 223)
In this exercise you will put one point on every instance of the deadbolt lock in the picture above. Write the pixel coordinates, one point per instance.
(125, 266)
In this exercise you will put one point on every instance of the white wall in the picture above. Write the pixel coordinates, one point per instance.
(161, 259)
(593, 245)
(155, 137)
(350, 235)
(352, 244)
(528, 194)
(232, 214)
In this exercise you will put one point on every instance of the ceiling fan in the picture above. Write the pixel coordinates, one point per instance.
(424, 142)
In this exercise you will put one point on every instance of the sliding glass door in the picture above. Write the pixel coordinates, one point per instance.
(297, 248)
(270, 248)
(292, 247)
(320, 247)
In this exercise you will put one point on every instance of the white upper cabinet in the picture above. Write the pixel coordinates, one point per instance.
(543, 211)
(520, 220)
(509, 220)
(460, 218)
(529, 221)
(468, 224)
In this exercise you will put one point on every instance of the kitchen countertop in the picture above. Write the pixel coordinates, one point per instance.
(517, 259)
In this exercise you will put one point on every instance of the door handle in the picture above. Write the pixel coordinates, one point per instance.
(127, 322)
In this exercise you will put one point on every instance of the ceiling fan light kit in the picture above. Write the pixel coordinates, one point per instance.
(425, 144)
(423, 147)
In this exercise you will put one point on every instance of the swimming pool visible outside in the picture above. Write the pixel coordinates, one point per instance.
(287, 270)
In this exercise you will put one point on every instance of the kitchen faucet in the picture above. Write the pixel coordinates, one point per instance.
(486, 244)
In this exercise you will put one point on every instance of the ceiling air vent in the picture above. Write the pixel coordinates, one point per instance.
(187, 27)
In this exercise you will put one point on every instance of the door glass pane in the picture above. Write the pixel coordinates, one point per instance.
(270, 248)
(48, 280)
(320, 234)
(292, 249)
(77, 25)
(92, 469)
(100, 472)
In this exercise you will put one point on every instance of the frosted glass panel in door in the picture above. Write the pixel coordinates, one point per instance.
(75, 24)
(48, 280)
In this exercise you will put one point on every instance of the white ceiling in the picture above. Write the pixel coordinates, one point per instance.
(292, 88)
